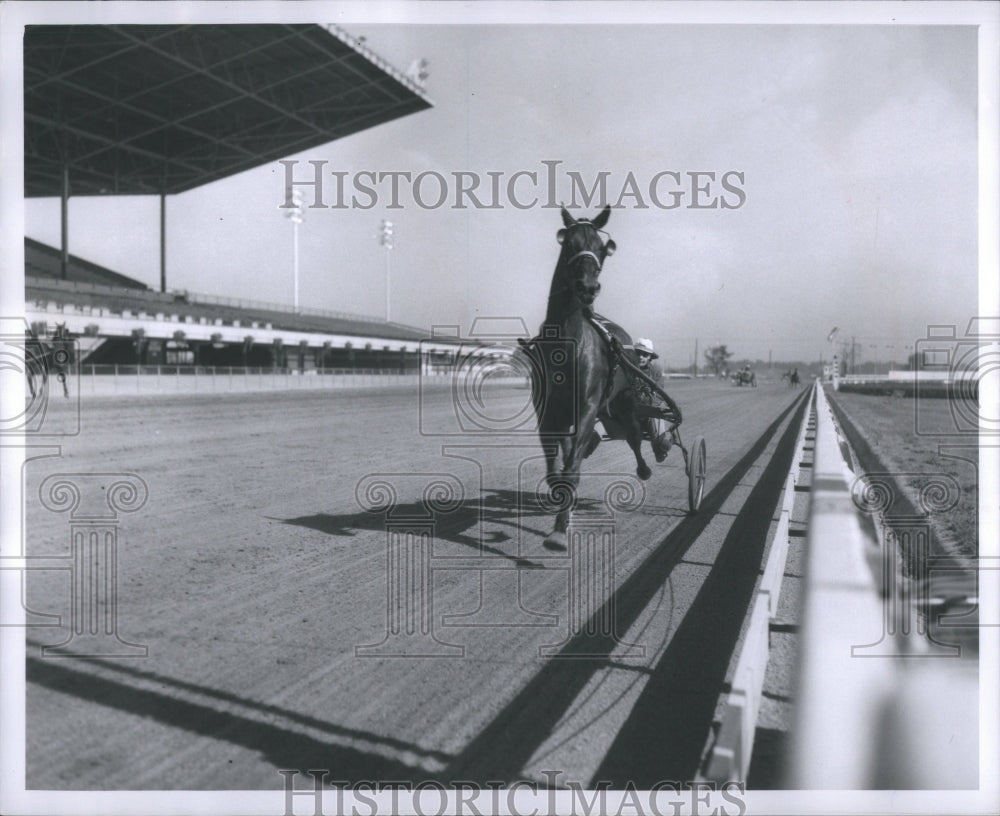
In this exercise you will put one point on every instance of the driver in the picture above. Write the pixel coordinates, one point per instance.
(654, 426)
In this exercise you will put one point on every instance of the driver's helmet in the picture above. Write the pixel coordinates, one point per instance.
(645, 346)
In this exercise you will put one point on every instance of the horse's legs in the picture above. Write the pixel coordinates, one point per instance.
(623, 411)
(550, 448)
(564, 489)
(661, 442)
(566, 446)
(633, 435)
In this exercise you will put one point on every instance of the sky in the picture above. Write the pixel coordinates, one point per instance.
(850, 154)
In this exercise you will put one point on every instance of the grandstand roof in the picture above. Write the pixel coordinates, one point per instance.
(44, 261)
(148, 109)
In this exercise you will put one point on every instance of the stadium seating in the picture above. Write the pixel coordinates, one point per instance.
(92, 288)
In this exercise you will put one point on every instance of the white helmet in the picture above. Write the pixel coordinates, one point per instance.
(644, 344)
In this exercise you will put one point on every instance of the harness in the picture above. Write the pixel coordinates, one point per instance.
(671, 412)
(615, 346)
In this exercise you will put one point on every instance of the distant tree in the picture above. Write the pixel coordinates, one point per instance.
(717, 357)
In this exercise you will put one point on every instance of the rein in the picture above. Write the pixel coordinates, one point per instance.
(618, 353)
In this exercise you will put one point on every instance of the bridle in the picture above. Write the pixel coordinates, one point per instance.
(570, 280)
(588, 252)
(584, 253)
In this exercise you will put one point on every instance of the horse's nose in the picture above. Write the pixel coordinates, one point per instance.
(589, 290)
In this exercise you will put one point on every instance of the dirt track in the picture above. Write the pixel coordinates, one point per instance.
(253, 573)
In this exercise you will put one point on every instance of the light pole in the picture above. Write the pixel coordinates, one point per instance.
(295, 216)
(385, 238)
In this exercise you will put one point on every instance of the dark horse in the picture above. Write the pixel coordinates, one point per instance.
(576, 374)
(792, 377)
(61, 355)
(43, 358)
(35, 367)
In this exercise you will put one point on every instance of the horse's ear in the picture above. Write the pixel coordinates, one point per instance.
(610, 247)
(561, 236)
(602, 219)
(568, 219)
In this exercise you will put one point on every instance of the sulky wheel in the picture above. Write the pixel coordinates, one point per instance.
(696, 474)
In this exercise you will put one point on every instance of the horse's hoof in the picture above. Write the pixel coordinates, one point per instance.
(555, 541)
(643, 471)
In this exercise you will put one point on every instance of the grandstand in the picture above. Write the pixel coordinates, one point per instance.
(123, 321)
(157, 110)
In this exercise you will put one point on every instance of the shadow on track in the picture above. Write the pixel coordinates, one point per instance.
(504, 747)
(664, 735)
(458, 525)
(285, 745)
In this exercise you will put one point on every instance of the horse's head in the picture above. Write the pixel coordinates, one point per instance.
(584, 248)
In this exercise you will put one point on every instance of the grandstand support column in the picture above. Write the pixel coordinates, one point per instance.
(64, 224)
(163, 242)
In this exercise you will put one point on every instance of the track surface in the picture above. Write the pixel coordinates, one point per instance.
(253, 573)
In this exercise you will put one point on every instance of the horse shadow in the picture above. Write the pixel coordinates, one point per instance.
(462, 523)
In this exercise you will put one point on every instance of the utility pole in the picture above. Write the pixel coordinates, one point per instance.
(835, 362)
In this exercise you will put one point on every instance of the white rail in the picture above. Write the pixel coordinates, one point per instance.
(733, 749)
(867, 718)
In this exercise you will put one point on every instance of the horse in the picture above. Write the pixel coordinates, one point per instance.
(792, 377)
(43, 358)
(576, 372)
(741, 378)
(35, 366)
(61, 355)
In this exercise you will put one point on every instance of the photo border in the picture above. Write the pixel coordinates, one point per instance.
(14, 799)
